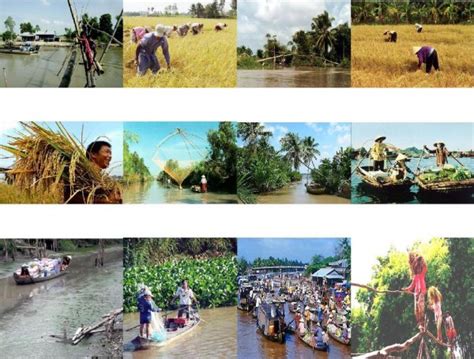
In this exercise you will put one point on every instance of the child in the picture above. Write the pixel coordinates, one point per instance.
(146, 306)
(434, 300)
(449, 328)
(418, 270)
(427, 55)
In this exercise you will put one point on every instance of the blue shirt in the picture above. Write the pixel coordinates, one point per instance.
(150, 43)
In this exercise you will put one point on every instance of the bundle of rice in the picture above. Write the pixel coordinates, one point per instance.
(55, 163)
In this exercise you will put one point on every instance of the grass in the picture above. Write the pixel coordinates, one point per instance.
(205, 60)
(376, 63)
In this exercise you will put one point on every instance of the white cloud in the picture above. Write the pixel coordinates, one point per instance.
(282, 129)
(46, 21)
(344, 140)
(45, 2)
(335, 127)
(314, 126)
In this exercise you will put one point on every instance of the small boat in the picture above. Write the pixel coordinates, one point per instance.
(25, 49)
(315, 188)
(446, 187)
(173, 333)
(40, 271)
(336, 333)
(245, 301)
(307, 339)
(271, 321)
(381, 180)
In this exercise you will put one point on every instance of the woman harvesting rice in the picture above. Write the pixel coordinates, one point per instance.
(427, 55)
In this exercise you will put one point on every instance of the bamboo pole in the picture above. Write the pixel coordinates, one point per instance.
(378, 291)
(66, 79)
(112, 37)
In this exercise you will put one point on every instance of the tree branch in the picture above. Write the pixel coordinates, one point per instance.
(379, 291)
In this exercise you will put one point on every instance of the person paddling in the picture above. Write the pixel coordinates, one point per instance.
(427, 55)
(417, 287)
(378, 153)
(186, 298)
(441, 153)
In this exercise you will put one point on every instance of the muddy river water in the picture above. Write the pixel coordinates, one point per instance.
(295, 77)
(215, 337)
(41, 70)
(29, 314)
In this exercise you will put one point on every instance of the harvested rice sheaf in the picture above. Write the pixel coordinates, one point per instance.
(54, 163)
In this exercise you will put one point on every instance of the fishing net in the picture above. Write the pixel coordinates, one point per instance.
(178, 154)
(157, 328)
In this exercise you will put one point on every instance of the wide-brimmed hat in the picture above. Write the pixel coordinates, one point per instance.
(148, 292)
(69, 257)
(438, 142)
(380, 138)
(416, 49)
(306, 308)
(160, 30)
(402, 157)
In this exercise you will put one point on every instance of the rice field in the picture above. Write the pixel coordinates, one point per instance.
(376, 63)
(205, 60)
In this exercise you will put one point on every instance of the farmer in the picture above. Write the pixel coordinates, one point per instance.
(146, 306)
(100, 153)
(427, 55)
(196, 28)
(377, 152)
(441, 152)
(186, 299)
(417, 286)
(203, 184)
(450, 329)
(391, 36)
(434, 303)
(400, 169)
(183, 30)
(220, 26)
(418, 27)
(137, 33)
(145, 55)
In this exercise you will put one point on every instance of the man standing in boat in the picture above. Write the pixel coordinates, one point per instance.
(378, 153)
(146, 306)
(441, 153)
(186, 298)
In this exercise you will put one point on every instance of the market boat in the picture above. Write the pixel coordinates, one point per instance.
(336, 333)
(315, 188)
(271, 321)
(308, 340)
(175, 328)
(41, 270)
(245, 302)
(381, 180)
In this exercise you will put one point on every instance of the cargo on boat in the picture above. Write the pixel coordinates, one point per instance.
(41, 270)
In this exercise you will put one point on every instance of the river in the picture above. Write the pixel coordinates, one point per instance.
(254, 345)
(41, 70)
(154, 192)
(296, 193)
(362, 193)
(215, 337)
(29, 314)
(295, 77)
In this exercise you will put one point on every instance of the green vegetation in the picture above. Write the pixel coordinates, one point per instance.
(212, 10)
(387, 319)
(411, 11)
(134, 167)
(244, 265)
(323, 45)
(447, 173)
(334, 174)
(208, 264)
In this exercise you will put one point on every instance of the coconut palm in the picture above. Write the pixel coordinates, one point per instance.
(325, 35)
(291, 145)
(252, 132)
(309, 151)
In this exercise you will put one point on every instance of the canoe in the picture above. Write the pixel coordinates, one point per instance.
(313, 345)
(21, 280)
(382, 183)
(334, 333)
(315, 188)
(17, 52)
(171, 336)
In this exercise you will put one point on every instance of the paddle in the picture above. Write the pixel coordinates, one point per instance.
(454, 158)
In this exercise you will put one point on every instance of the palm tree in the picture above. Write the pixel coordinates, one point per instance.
(252, 132)
(310, 151)
(325, 36)
(292, 146)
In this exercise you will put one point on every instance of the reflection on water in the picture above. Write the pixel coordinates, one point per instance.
(41, 70)
(154, 192)
(215, 337)
(363, 193)
(296, 193)
(29, 314)
(254, 345)
(294, 77)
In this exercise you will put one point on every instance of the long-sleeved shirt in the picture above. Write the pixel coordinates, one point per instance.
(150, 43)
(423, 54)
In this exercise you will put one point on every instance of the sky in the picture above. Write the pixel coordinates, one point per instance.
(301, 249)
(151, 134)
(456, 136)
(108, 131)
(159, 5)
(330, 136)
(283, 18)
(53, 15)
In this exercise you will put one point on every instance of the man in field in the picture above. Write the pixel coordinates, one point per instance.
(145, 55)
(220, 26)
(196, 28)
(427, 55)
(391, 36)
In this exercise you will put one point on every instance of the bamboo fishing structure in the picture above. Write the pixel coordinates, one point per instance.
(112, 37)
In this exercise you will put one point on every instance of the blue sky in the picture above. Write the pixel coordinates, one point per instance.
(151, 134)
(54, 15)
(283, 18)
(159, 5)
(113, 132)
(330, 136)
(457, 136)
(302, 249)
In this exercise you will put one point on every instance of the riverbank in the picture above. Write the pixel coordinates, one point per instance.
(30, 314)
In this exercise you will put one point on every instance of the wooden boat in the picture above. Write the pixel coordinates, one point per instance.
(315, 188)
(172, 335)
(446, 187)
(312, 343)
(382, 184)
(19, 279)
(271, 321)
(336, 333)
(26, 49)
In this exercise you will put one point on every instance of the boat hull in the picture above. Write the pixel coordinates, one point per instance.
(23, 280)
